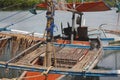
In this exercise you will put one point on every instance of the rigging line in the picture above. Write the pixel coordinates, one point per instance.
(22, 20)
(69, 5)
(23, 16)
(27, 18)
(79, 5)
(10, 16)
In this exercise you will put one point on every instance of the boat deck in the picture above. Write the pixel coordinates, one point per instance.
(66, 57)
(28, 49)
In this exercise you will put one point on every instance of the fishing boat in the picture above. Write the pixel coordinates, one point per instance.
(54, 57)
(68, 57)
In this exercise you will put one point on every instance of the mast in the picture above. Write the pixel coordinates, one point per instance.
(49, 29)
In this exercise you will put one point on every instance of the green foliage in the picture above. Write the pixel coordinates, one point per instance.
(17, 4)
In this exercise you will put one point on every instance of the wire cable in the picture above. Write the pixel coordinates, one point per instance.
(21, 20)
(10, 16)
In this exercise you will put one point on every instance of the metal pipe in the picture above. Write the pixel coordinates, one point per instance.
(87, 47)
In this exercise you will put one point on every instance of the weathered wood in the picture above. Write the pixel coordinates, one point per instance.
(5, 38)
(23, 52)
(28, 37)
(28, 58)
(48, 54)
(88, 61)
(24, 73)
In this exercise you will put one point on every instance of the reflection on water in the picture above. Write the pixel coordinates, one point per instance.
(111, 60)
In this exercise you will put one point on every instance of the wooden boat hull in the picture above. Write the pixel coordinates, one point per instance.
(68, 57)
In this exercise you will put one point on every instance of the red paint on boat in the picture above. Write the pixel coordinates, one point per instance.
(38, 76)
(59, 41)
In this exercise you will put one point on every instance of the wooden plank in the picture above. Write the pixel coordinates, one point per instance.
(89, 58)
(27, 59)
(23, 52)
(24, 73)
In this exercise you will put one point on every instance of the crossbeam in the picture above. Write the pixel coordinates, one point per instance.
(99, 73)
(86, 47)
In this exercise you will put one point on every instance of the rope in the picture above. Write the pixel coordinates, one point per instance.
(22, 20)
(46, 72)
(21, 17)
(27, 18)
(12, 14)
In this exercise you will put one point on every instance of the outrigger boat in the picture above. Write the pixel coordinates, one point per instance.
(74, 53)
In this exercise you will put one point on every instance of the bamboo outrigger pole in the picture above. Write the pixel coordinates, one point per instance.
(49, 28)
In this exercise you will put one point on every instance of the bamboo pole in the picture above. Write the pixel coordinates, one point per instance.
(49, 28)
